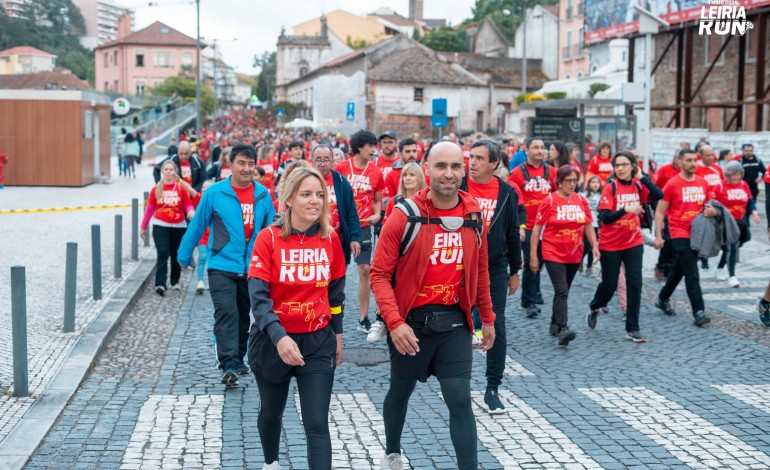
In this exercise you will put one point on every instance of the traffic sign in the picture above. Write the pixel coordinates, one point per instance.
(280, 113)
(350, 114)
(439, 116)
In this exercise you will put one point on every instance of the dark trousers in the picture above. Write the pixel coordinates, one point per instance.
(230, 295)
(729, 258)
(686, 266)
(587, 249)
(498, 288)
(530, 282)
(666, 256)
(561, 277)
(167, 241)
(611, 261)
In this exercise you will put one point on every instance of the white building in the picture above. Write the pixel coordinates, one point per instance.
(542, 25)
(25, 59)
(101, 18)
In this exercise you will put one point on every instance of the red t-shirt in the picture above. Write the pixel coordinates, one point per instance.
(334, 211)
(171, 207)
(186, 171)
(714, 178)
(386, 166)
(486, 196)
(767, 175)
(625, 232)
(365, 183)
(602, 167)
(664, 174)
(299, 271)
(225, 173)
(735, 197)
(533, 191)
(205, 238)
(445, 265)
(564, 223)
(686, 200)
(269, 166)
(391, 182)
(246, 198)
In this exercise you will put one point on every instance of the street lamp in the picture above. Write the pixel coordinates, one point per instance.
(198, 68)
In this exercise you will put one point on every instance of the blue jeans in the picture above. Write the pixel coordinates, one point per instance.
(203, 257)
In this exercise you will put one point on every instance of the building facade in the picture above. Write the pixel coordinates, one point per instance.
(101, 18)
(573, 56)
(25, 59)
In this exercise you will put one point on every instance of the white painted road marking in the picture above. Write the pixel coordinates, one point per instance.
(512, 367)
(687, 436)
(753, 395)
(177, 431)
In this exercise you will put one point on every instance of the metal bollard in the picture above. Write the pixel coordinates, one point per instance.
(19, 331)
(134, 229)
(147, 236)
(96, 260)
(70, 286)
(118, 246)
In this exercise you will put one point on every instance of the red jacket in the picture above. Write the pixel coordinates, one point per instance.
(410, 269)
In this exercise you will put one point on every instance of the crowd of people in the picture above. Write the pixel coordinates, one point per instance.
(439, 232)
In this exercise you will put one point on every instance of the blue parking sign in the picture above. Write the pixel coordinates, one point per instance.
(439, 115)
(280, 113)
(350, 114)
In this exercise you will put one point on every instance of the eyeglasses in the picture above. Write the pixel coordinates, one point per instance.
(322, 161)
(570, 180)
(622, 165)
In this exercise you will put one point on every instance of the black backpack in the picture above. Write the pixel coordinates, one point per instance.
(525, 172)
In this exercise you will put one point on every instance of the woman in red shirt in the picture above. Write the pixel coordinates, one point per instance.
(620, 239)
(297, 289)
(167, 206)
(562, 219)
(412, 181)
(735, 195)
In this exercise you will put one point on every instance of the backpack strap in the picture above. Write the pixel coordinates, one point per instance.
(524, 171)
(414, 221)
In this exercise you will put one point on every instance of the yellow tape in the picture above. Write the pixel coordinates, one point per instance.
(336, 310)
(63, 209)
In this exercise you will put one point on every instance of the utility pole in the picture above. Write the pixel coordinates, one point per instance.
(198, 121)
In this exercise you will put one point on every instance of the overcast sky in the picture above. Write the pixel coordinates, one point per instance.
(257, 23)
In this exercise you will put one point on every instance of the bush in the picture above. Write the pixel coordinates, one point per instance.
(596, 88)
(556, 95)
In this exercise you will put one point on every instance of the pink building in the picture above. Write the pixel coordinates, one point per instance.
(573, 56)
(135, 61)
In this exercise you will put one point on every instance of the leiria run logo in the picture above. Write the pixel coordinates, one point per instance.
(723, 17)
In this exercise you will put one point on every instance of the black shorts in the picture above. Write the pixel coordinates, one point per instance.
(442, 355)
(367, 245)
(318, 349)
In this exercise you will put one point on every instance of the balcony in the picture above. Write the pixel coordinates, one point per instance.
(571, 52)
(566, 52)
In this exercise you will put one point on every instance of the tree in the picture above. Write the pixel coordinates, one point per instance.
(62, 15)
(266, 79)
(508, 15)
(446, 39)
(356, 44)
(595, 88)
(184, 87)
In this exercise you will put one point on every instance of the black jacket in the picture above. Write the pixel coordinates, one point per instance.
(196, 167)
(349, 221)
(503, 235)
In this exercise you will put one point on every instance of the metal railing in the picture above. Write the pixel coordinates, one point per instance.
(155, 127)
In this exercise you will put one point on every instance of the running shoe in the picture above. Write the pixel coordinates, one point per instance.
(492, 400)
(636, 337)
(700, 318)
(763, 311)
(532, 311)
(364, 325)
(605, 310)
(565, 336)
(553, 329)
(378, 331)
(589, 271)
(271, 466)
(659, 275)
(200, 288)
(160, 290)
(539, 299)
(665, 307)
(243, 369)
(230, 377)
(733, 281)
(176, 286)
(721, 274)
(476, 338)
(592, 318)
(392, 462)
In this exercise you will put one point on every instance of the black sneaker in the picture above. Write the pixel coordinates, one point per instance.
(565, 336)
(553, 329)
(701, 318)
(532, 311)
(665, 307)
(763, 312)
(539, 299)
(364, 325)
(160, 290)
(230, 377)
(592, 318)
(492, 400)
(243, 369)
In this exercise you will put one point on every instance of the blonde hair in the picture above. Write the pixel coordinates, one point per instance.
(159, 186)
(417, 171)
(289, 169)
(223, 160)
(264, 153)
(291, 183)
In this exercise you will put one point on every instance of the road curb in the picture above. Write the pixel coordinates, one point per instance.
(19, 445)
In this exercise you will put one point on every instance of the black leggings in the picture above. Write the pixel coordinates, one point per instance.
(729, 258)
(611, 261)
(315, 392)
(167, 241)
(462, 424)
(561, 275)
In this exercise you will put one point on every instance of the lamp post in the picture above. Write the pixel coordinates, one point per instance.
(198, 68)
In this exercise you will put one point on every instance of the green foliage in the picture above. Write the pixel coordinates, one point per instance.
(508, 15)
(446, 39)
(596, 88)
(266, 78)
(184, 87)
(416, 34)
(60, 40)
(556, 95)
(356, 43)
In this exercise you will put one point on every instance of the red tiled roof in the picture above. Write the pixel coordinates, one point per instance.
(59, 79)
(157, 34)
(24, 50)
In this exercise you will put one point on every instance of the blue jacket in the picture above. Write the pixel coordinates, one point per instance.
(517, 159)
(220, 210)
(346, 205)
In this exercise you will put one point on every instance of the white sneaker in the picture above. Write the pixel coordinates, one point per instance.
(476, 339)
(176, 286)
(200, 288)
(271, 466)
(378, 331)
(733, 281)
(391, 462)
(721, 274)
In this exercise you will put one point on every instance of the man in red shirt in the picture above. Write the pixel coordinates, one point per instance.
(666, 255)
(684, 198)
(715, 179)
(425, 296)
(366, 181)
(387, 158)
(408, 150)
(535, 180)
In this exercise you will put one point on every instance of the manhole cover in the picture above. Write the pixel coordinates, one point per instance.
(365, 356)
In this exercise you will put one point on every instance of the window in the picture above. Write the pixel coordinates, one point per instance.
(751, 47)
(567, 76)
(187, 58)
(106, 86)
(140, 87)
(163, 59)
(106, 60)
(569, 10)
(418, 92)
(713, 45)
(304, 68)
(140, 58)
(115, 58)
(568, 47)
(303, 71)
(581, 38)
(115, 88)
(580, 74)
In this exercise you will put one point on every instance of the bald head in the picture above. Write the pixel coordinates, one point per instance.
(707, 155)
(184, 151)
(446, 171)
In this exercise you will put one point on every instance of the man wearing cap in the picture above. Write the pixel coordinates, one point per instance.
(387, 158)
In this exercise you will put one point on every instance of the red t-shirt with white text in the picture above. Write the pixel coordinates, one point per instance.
(686, 200)
(713, 176)
(269, 166)
(246, 198)
(486, 195)
(170, 208)
(664, 174)
(535, 190)
(365, 183)
(334, 211)
(735, 197)
(299, 271)
(564, 223)
(386, 166)
(625, 232)
(186, 171)
(602, 167)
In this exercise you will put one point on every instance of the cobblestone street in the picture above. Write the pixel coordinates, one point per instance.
(689, 398)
